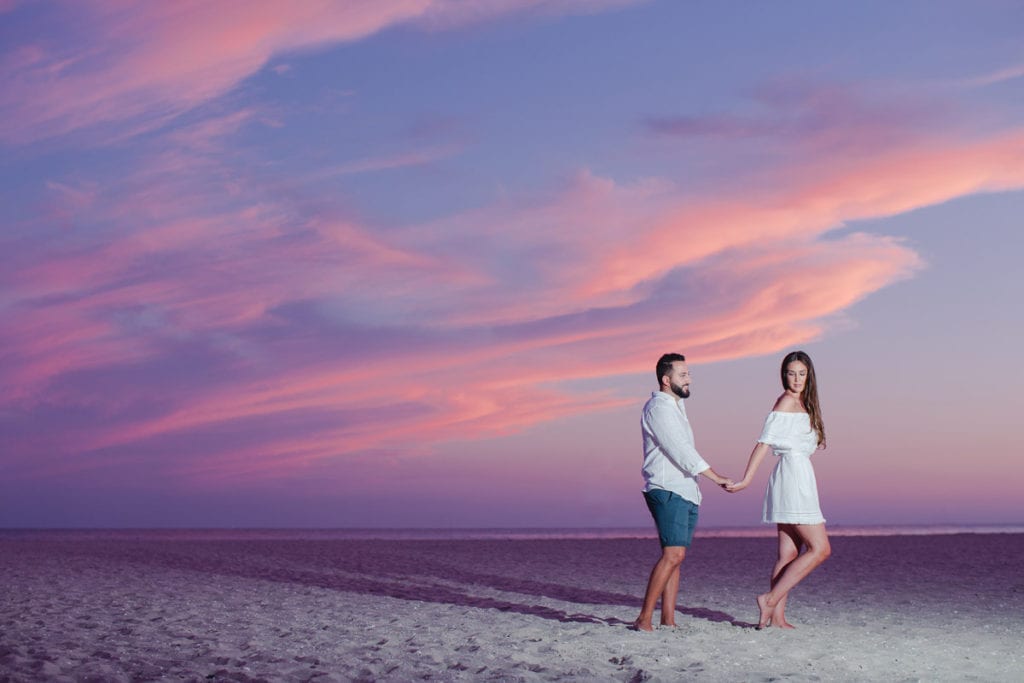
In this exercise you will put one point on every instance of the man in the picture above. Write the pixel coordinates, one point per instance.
(671, 468)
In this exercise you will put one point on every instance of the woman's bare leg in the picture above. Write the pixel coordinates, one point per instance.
(815, 538)
(789, 550)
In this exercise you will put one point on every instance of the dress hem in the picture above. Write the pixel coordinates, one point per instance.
(820, 520)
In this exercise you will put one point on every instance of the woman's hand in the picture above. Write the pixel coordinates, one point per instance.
(738, 486)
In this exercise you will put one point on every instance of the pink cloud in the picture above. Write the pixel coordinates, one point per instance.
(470, 326)
(1008, 73)
(815, 201)
(503, 387)
(796, 118)
(208, 134)
(143, 63)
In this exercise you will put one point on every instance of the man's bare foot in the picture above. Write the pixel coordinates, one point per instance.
(640, 625)
(669, 624)
(766, 610)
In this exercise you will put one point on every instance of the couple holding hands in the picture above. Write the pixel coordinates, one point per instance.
(793, 430)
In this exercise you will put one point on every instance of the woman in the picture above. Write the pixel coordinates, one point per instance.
(793, 430)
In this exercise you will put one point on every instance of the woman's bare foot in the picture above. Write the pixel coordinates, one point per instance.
(766, 610)
(778, 619)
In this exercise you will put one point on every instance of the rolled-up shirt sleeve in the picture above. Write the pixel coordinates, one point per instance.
(673, 437)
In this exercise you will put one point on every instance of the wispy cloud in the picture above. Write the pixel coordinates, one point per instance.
(138, 66)
(724, 126)
(388, 162)
(1002, 75)
(485, 319)
(183, 309)
(808, 117)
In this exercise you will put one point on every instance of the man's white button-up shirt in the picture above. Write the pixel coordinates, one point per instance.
(671, 460)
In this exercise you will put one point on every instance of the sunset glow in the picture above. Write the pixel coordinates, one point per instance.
(411, 263)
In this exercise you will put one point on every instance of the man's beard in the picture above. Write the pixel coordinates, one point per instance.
(679, 391)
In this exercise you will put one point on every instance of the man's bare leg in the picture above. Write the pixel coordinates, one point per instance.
(668, 599)
(666, 568)
(789, 550)
(815, 538)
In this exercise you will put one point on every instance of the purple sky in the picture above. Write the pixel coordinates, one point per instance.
(411, 263)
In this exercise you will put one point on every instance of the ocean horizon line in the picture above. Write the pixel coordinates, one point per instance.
(480, 533)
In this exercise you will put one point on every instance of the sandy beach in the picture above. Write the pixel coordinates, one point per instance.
(888, 608)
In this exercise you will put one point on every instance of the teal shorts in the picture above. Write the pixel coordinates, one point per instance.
(675, 517)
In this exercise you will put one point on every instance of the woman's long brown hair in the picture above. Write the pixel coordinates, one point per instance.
(809, 395)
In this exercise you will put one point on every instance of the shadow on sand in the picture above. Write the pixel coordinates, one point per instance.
(388, 574)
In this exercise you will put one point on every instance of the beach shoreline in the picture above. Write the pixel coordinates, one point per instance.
(934, 607)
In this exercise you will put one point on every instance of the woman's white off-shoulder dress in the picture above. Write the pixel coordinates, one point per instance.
(792, 496)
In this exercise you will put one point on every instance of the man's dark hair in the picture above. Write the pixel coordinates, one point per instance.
(665, 364)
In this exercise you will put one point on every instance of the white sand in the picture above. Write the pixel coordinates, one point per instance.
(931, 608)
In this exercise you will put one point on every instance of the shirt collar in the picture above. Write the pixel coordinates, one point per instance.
(665, 396)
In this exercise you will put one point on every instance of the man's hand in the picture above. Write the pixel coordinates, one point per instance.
(717, 478)
(738, 486)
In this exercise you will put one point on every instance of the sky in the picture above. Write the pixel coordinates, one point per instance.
(411, 263)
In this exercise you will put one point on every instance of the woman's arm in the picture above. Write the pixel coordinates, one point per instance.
(724, 482)
(756, 456)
